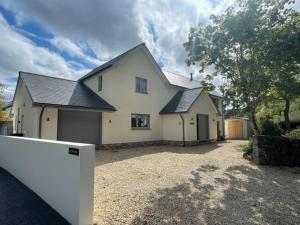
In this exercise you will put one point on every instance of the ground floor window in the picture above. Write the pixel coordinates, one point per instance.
(140, 121)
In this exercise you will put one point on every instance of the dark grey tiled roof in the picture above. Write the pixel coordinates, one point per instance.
(61, 92)
(182, 101)
(181, 81)
(185, 82)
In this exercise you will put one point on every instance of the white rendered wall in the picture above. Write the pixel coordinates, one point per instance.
(64, 181)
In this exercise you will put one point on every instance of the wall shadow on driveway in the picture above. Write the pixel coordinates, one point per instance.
(238, 195)
(110, 156)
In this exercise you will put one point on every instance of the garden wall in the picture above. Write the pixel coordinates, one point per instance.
(61, 173)
(279, 151)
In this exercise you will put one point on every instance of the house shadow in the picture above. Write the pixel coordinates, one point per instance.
(237, 195)
(111, 156)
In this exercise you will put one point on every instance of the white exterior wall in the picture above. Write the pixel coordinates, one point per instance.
(49, 123)
(64, 181)
(226, 129)
(118, 88)
(31, 114)
(30, 124)
(172, 127)
(203, 105)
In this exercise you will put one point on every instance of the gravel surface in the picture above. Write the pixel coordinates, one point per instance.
(209, 184)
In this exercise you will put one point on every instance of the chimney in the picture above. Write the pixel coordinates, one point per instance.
(191, 79)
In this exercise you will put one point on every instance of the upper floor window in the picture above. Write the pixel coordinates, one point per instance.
(140, 121)
(216, 102)
(100, 83)
(140, 85)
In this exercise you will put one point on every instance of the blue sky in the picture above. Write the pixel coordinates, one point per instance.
(69, 38)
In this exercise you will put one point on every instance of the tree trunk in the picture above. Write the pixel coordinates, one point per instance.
(286, 115)
(254, 123)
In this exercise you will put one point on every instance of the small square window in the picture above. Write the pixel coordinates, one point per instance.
(100, 83)
(140, 85)
(140, 121)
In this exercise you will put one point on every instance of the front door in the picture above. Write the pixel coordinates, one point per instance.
(202, 127)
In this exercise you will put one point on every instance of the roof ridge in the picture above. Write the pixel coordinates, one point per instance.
(41, 75)
(168, 71)
(108, 63)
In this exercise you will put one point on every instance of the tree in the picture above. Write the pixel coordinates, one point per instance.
(236, 44)
(284, 55)
(3, 115)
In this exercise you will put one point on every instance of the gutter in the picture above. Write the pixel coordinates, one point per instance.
(183, 132)
(40, 121)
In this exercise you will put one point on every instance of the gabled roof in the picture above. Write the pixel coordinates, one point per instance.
(181, 81)
(110, 63)
(185, 82)
(171, 78)
(182, 101)
(45, 90)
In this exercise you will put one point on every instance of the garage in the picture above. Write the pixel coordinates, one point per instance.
(238, 128)
(79, 126)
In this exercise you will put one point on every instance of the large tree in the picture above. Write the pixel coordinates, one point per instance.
(235, 44)
(284, 55)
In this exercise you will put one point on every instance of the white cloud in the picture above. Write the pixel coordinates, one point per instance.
(74, 49)
(107, 28)
(18, 53)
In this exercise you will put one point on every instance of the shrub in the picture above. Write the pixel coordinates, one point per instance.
(294, 134)
(248, 148)
(266, 126)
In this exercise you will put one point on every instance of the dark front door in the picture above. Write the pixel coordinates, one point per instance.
(202, 127)
(218, 130)
(79, 126)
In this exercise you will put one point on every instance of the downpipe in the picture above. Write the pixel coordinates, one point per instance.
(40, 121)
(183, 132)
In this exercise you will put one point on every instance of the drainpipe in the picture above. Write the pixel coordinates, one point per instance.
(183, 133)
(40, 121)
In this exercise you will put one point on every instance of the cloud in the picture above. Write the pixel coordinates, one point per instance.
(111, 27)
(90, 32)
(19, 53)
(74, 49)
(96, 31)
(111, 24)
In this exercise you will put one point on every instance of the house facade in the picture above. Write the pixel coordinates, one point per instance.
(128, 101)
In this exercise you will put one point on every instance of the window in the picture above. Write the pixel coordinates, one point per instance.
(216, 102)
(100, 83)
(140, 85)
(140, 121)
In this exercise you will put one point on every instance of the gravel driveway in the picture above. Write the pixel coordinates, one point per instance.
(209, 184)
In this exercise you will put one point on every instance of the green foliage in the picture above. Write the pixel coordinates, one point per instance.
(266, 126)
(248, 148)
(3, 115)
(254, 47)
(294, 134)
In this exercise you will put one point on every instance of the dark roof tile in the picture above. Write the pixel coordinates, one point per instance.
(61, 92)
(182, 101)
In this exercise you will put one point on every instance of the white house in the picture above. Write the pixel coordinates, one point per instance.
(128, 101)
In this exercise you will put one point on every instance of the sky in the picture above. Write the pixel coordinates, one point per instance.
(71, 37)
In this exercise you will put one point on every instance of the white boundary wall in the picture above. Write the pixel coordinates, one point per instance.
(63, 180)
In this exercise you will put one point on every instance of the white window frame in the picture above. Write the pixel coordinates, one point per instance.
(144, 117)
(138, 86)
(100, 83)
